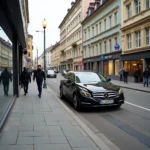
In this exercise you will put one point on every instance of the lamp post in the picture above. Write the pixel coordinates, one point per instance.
(37, 57)
(44, 23)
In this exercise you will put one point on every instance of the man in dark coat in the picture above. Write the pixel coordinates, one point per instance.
(146, 76)
(39, 75)
(5, 77)
(125, 75)
(137, 75)
(25, 79)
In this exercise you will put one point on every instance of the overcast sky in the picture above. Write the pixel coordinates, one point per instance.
(53, 11)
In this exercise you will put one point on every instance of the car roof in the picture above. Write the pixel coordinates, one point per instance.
(78, 72)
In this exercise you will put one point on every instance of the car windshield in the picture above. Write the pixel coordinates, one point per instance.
(50, 71)
(89, 78)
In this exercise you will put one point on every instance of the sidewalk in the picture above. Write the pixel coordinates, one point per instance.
(133, 86)
(45, 124)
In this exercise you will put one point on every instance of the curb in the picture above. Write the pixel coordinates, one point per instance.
(134, 89)
(86, 129)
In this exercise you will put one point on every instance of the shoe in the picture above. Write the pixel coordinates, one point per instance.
(39, 96)
(24, 94)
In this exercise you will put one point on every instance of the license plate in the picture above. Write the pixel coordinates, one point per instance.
(106, 101)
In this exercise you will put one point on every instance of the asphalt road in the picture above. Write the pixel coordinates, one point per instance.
(128, 127)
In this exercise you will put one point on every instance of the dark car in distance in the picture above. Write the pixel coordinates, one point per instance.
(89, 89)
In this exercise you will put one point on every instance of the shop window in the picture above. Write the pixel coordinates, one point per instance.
(110, 66)
(148, 36)
(129, 11)
(138, 6)
(138, 39)
(147, 2)
(129, 41)
(117, 66)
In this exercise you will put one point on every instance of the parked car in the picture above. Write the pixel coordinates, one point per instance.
(55, 70)
(64, 72)
(51, 74)
(89, 89)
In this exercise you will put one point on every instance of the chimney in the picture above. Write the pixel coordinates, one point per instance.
(72, 3)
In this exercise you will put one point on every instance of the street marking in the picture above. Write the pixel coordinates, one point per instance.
(137, 106)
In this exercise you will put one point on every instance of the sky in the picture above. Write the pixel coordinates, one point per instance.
(53, 11)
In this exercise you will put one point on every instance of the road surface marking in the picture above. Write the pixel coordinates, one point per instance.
(137, 106)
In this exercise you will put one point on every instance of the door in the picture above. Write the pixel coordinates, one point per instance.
(105, 70)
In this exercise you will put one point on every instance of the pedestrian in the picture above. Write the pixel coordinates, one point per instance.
(137, 75)
(125, 75)
(146, 76)
(40, 76)
(121, 74)
(25, 78)
(5, 78)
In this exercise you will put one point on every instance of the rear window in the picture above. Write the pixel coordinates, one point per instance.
(50, 71)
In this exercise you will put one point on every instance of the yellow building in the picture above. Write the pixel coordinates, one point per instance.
(5, 55)
(55, 56)
(30, 53)
(71, 36)
(136, 35)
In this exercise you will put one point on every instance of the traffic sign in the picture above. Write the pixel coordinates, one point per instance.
(117, 47)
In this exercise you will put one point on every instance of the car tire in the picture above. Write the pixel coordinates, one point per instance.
(61, 93)
(76, 103)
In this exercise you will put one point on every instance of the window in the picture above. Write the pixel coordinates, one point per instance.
(116, 40)
(101, 2)
(100, 26)
(93, 54)
(138, 6)
(129, 41)
(89, 52)
(96, 29)
(89, 12)
(147, 4)
(148, 36)
(129, 13)
(28, 39)
(105, 46)
(110, 45)
(28, 46)
(100, 48)
(95, 6)
(93, 31)
(85, 35)
(116, 18)
(110, 21)
(96, 49)
(105, 24)
(138, 39)
(85, 53)
(28, 54)
(89, 33)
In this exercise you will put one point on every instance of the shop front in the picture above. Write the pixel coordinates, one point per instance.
(70, 65)
(138, 60)
(63, 65)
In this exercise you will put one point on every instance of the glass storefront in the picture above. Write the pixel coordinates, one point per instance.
(117, 66)
(132, 65)
(6, 73)
(110, 66)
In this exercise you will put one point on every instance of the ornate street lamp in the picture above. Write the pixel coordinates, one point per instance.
(44, 23)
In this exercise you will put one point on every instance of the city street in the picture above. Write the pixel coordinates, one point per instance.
(128, 127)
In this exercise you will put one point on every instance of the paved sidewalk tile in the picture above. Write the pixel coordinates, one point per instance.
(58, 139)
(25, 141)
(52, 147)
(16, 147)
(41, 140)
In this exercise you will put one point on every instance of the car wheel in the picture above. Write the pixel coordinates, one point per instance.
(76, 103)
(61, 93)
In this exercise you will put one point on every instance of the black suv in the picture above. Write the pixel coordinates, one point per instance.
(89, 89)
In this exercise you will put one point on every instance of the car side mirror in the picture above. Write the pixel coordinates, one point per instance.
(108, 80)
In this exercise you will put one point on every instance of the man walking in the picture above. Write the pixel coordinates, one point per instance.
(5, 77)
(146, 75)
(137, 75)
(121, 74)
(39, 75)
(25, 79)
(125, 75)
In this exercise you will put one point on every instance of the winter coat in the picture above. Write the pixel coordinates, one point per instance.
(137, 73)
(5, 77)
(125, 74)
(39, 75)
(146, 74)
(25, 77)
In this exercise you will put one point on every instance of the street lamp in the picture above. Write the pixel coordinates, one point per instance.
(37, 57)
(44, 23)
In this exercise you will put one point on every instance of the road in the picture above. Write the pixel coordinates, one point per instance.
(128, 127)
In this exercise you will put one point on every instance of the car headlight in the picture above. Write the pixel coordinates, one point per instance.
(120, 91)
(85, 93)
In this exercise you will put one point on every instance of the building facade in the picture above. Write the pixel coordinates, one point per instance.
(30, 51)
(136, 35)
(71, 36)
(55, 56)
(5, 55)
(48, 57)
(102, 37)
